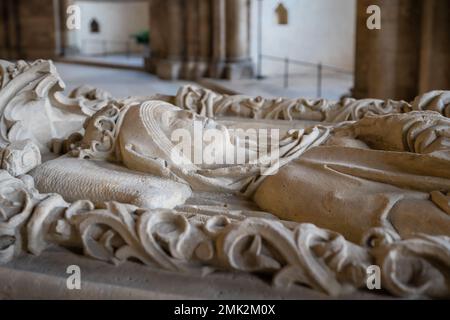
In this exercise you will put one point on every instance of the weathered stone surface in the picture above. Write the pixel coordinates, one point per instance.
(98, 182)
(352, 193)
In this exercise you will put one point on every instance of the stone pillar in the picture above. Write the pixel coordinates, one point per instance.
(218, 39)
(435, 50)
(158, 46)
(196, 38)
(362, 51)
(168, 24)
(5, 37)
(28, 29)
(388, 59)
(204, 37)
(10, 31)
(191, 39)
(409, 55)
(238, 39)
(38, 29)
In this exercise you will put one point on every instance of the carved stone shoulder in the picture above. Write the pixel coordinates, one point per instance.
(184, 242)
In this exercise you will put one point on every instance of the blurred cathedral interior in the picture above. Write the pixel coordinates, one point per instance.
(293, 48)
(364, 178)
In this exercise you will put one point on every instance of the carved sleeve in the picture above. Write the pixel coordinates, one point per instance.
(416, 132)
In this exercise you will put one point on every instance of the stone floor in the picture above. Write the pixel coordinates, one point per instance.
(121, 83)
(133, 60)
(334, 86)
(44, 277)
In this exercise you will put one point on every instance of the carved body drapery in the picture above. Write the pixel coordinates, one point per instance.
(403, 170)
(301, 253)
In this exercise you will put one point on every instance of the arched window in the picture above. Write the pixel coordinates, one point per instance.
(94, 26)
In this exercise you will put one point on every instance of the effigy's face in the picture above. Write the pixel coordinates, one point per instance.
(184, 119)
(196, 126)
(192, 134)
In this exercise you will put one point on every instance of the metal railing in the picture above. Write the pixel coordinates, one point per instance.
(319, 68)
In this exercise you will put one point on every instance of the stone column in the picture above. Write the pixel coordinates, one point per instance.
(191, 31)
(204, 37)
(408, 55)
(169, 26)
(198, 39)
(195, 38)
(158, 50)
(29, 29)
(5, 36)
(10, 35)
(238, 39)
(435, 47)
(362, 51)
(218, 38)
(38, 29)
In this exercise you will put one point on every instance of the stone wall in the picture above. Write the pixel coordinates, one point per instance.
(117, 20)
(318, 31)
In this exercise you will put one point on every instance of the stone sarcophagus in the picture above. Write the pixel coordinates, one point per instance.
(309, 193)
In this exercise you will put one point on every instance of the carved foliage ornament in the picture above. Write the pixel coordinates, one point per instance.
(181, 241)
(184, 242)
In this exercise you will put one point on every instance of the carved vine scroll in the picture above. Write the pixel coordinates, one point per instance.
(211, 104)
(185, 242)
(179, 240)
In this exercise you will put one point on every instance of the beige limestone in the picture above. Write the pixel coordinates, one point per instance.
(371, 178)
(375, 196)
(102, 182)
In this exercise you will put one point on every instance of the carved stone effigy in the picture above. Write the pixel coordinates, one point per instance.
(351, 194)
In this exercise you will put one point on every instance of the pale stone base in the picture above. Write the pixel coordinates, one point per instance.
(176, 69)
(44, 277)
(168, 69)
(239, 70)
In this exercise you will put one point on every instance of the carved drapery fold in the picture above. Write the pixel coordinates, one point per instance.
(184, 242)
